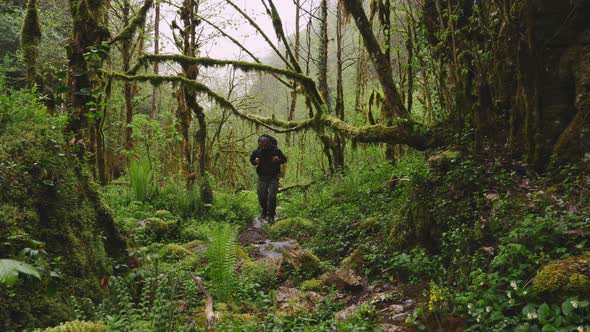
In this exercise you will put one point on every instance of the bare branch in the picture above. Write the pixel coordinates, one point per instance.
(128, 31)
(259, 29)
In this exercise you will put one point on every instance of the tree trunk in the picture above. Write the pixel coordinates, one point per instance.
(392, 100)
(156, 89)
(293, 105)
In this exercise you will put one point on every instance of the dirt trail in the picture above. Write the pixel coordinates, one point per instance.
(394, 303)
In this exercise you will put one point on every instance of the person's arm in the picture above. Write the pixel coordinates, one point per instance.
(280, 157)
(254, 159)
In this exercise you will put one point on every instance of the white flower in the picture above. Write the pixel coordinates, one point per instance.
(469, 305)
(513, 285)
(531, 315)
(478, 318)
(509, 294)
(488, 309)
(575, 304)
(580, 329)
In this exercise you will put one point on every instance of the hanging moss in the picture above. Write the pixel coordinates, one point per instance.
(30, 38)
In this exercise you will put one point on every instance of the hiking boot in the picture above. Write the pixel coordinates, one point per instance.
(272, 219)
(263, 217)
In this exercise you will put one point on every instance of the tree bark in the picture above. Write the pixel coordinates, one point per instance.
(156, 89)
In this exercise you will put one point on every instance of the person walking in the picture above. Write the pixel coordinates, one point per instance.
(268, 159)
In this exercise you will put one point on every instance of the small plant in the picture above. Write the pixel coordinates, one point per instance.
(221, 254)
(10, 269)
(140, 179)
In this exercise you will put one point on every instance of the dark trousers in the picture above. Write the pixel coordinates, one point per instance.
(268, 187)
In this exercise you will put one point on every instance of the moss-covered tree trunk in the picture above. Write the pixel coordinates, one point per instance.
(551, 115)
(189, 16)
(30, 38)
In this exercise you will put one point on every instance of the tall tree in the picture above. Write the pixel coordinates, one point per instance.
(30, 38)
(156, 89)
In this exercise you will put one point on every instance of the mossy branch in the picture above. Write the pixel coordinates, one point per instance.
(237, 43)
(308, 84)
(218, 99)
(138, 20)
(402, 131)
(278, 26)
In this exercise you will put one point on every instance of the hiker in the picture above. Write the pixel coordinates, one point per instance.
(268, 159)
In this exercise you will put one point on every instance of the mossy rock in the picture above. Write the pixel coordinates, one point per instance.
(299, 229)
(163, 214)
(157, 230)
(354, 261)
(79, 326)
(300, 264)
(312, 285)
(567, 277)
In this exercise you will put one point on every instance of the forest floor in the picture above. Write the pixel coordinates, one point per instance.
(392, 303)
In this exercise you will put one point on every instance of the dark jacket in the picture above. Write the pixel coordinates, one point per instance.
(266, 167)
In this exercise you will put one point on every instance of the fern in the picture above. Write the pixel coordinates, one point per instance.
(10, 269)
(221, 255)
(140, 179)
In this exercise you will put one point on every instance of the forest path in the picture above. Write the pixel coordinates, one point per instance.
(393, 303)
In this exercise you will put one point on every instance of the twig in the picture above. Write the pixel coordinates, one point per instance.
(209, 313)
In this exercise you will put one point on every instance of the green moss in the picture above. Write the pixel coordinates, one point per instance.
(157, 230)
(311, 285)
(51, 198)
(139, 20)
(297, 228)
(163, 214)
(30, 38)
(175, 251)
(301, 265)
(79, 326)
(567, 277)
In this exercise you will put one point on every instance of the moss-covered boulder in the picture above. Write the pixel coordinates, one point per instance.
(164, 214)
(300, 264)
(314, 285)
(567, 277)
(299, 229)
(354, 261)
(157, 230)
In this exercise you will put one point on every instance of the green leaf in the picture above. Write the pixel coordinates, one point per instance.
(10, 269)
(549, 328)
(567, 307)
(544, 313)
